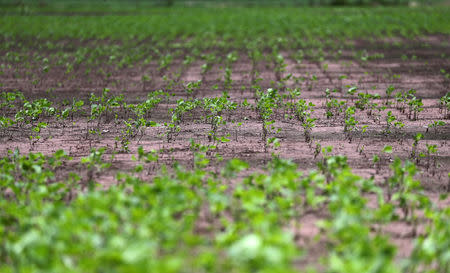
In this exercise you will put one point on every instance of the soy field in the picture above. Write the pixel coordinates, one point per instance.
(225, 136)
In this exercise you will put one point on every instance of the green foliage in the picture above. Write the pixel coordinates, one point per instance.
(93, 215)
(417, 138)
(431, 251)
(191, 87)
(134, 225)
(10, 100)
(34, 110)
(267, 102)
(215, 108)
(415, 104)
(350, 122)
(444, 103)
(435, 124)
(392, 122)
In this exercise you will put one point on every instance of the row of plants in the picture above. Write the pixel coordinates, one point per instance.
(194, 220)
(45, 45)
(218, 112)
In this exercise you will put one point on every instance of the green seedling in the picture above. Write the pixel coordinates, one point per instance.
(267, 101)
(94, 166)
(392, 122)
(35, 135)
(104, 106)
(144, 157)
(164, 62)
(415, 105)
(200, 154)
(390, 119)
(227, 80)
(192, 87)
(312, 82)
(178, 114)
(351, 91)
(282, 83)
(10, 101)
(406, 191)
(444, 105)
(400, 101)
(359, 148)
(33, 111)
(274, 143)
(434, 125)
(307, 125)
(381, 159)
(350, 123)
(5, 124)
(280, 66)
(389, 90)
(317, 149)
(215, 107)
(417, 138)
(76, 107)
(431, 150)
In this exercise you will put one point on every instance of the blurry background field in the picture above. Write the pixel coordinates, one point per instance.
(137, 5)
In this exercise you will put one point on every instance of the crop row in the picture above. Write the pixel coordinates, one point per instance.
(198, 221)
(270, 105)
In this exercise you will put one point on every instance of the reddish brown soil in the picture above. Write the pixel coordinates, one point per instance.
(422, 74)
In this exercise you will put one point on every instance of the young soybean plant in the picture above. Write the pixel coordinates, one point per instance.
(35, 135)
(360, 148)
(390, 118)
(381, 158)
(350, 122)
(177, 116)
(434, 125)
(389, 90)
(417, 138)
(215, 108)
(392, 122)
(351, 91)
(5, 123)
(95, 165)
(10, 100)
(415, 104)
(303, 112)
(192, 87)
(406, 191)
(431, 149)
(280, 66)
(227, 80)
(444, 105)
(307, 126)
(229, 60)
(76, 106)
(266, 102)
